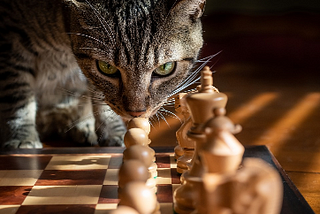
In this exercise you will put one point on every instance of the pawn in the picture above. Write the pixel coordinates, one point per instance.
(139, 152)
(136, 136)
(124, 210)
(138, 196)
(146, 155)
(132, 170)
(139, 122)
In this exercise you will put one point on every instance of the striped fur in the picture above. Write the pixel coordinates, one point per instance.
(48, 76)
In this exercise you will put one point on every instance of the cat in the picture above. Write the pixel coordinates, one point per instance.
(78, 68)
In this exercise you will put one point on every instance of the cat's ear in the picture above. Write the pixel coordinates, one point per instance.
(192, 8)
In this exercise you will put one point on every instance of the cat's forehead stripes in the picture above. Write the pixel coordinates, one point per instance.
(135, 28)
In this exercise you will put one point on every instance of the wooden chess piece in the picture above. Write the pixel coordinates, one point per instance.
(132, 170)
(187, 145)
(139, 197)
(178, 150)
(255, 188)
(200, 106)
(146, 155)
(142, 123)
(136, 136)
(222, 152)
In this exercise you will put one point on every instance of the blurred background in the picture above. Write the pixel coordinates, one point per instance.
(269, 67)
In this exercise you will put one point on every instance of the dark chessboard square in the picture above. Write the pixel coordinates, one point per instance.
(54, 209)
(164, 193)
(163, 160)
(109, 194)
(175, 177)
(71, 177)
(115, 161)
(24, 162)
(13, 195)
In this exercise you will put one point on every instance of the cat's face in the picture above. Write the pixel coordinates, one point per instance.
(136, 51)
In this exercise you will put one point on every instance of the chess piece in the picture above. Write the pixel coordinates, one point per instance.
(139, 197)
(222, 152)
(187, 145)
(142, 123)
(255, 188)
(181, 109)
(200, 106)
(146, 155)
(132, 170)
(124, 210)
(139, 152)
(136, 136)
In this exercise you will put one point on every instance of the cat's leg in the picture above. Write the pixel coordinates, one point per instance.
(17, 111)
(67, 114)
(110, 127)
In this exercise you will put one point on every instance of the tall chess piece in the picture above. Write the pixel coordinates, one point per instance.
(221, 154)
(186, 144)
(178, 150)
(255, 188)
(200, 106)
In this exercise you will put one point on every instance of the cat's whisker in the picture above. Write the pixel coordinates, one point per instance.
(83, 119)
(164, 119)
(170, 114)
(150, 122)
(88, 36)
(190, 80)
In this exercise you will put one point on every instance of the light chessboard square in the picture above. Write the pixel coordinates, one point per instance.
(111, 177)
(8, 209)
(19, 177)
(73, 194)
(78, 162)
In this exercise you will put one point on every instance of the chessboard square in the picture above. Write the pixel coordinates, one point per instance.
(163, 160)
(71, 177)
(19, 177)
(78, 162)
(105, 208)
(7, 209)
(73, 194)
(175, 177)
(164, 176)
(173, 161)
(13, 195)
(166, 208)
(111, 177)
(164, 193)
(115, 161)
(45, 209)
(174, 187)
(24, 162)
(109, 194)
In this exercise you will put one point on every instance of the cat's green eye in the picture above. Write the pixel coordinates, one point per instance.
(106, 68)
(165, 69)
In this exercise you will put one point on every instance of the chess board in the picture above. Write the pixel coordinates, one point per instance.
(84, 180)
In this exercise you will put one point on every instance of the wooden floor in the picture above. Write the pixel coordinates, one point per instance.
(269, 68)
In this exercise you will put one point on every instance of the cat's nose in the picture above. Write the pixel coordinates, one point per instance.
(136, 113)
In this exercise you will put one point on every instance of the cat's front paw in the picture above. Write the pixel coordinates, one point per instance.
(23, 144)
(84, 134)
(116, 140)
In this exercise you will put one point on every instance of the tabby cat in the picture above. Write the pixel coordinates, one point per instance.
(62, 61)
